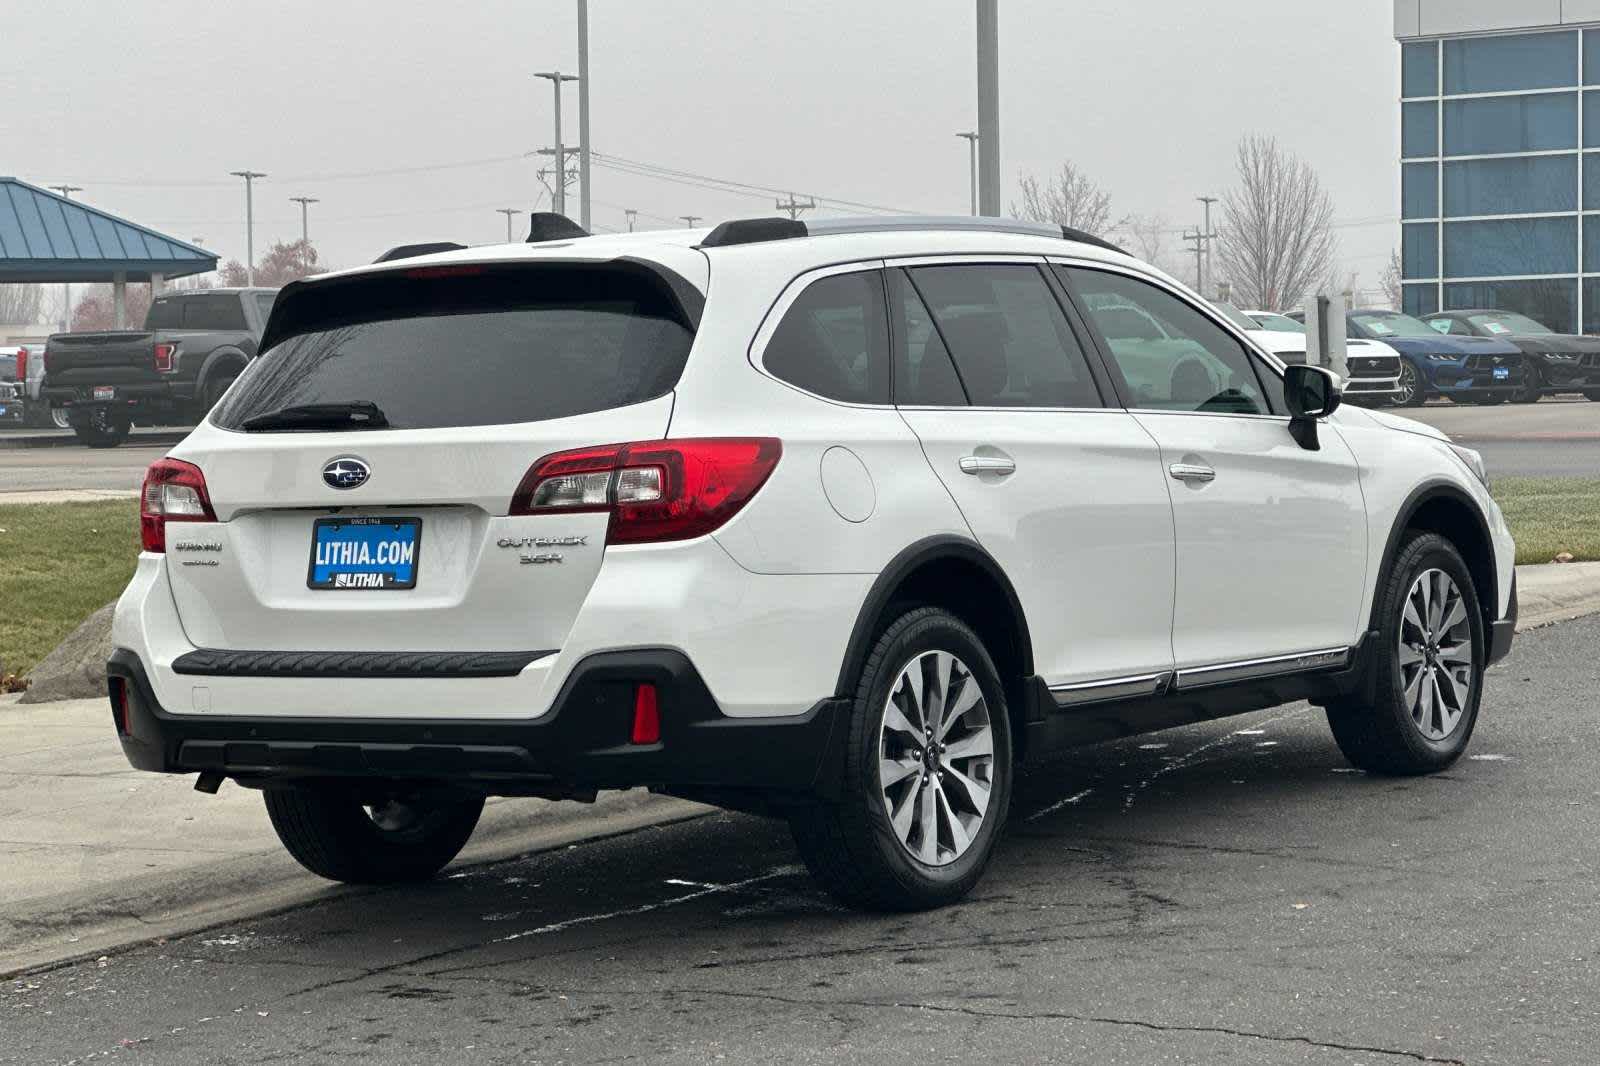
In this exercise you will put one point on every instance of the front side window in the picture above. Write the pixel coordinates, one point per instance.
(924, 375)
(1172, 357)
(834, 340)
(1005, 331)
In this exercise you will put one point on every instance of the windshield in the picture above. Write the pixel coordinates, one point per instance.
(1236, 316)
(474, 347)
(1276, 323)
(1393, 324)
(1500, 323)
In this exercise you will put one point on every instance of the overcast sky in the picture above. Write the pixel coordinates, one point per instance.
(408, 118)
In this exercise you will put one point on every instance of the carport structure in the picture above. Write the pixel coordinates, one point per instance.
(48, 238)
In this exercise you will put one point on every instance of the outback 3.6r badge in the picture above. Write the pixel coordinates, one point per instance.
(346, 472)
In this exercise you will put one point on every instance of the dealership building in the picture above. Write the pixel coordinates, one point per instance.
(1500, 157)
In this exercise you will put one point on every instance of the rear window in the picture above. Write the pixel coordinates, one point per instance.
(469, 346)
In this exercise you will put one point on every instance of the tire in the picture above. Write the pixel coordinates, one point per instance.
(1532, 386)
(103, 430)
(861, 854)
(1409, 390)
(411, 837)
(1400, 733)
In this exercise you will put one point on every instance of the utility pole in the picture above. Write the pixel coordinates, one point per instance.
(583, 113)
(1199, 241)
(989, 106)
(691, 219)
(555, 77)
(304, 202)
(249, 177)
(66, 192)
(1210, 235)
(558, 189)
(632, 214)
(971, 137)
(793, 207)
(508, 212)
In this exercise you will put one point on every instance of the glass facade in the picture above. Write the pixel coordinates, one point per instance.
(1500, 175)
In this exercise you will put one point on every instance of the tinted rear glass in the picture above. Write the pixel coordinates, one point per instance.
(470, 347)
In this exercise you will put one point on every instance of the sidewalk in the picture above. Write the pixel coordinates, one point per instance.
(65, 438)
(94, 854)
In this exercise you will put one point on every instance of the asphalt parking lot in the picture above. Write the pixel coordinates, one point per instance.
(1228, 893)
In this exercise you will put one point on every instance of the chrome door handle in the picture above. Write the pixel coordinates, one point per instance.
(1191, 472)
(987, 464)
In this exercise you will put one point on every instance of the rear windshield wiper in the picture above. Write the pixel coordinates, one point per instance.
(358, 414)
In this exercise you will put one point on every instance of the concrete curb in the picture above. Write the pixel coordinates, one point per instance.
(67, 495)
(63, 439)
(1556, 592)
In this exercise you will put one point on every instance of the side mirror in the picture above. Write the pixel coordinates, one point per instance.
(1312, 392)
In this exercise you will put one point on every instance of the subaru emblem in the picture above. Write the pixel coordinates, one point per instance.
(346, 472)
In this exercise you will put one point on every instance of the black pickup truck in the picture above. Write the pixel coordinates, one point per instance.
(194, 343)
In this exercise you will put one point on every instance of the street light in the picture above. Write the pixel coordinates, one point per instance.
(304, 202)
(972, 165)
(508, 212)
(249, 177)
(555, 77)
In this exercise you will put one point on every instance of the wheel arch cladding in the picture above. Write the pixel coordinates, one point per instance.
(220, 361)
(1443, 508)
(959, 576)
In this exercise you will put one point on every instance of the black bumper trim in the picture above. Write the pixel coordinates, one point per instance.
(1501, 633)
(582, 743)
(210, 662)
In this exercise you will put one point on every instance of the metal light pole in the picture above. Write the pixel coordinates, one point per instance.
(508, 212)
(632, 215)
(989, 106)
(66, 192)
(583, 113)
(691, 219)
(304, 202)
(971, 137)
(555, 77)
(249, 177)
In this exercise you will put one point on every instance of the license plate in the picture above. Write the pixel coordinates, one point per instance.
(105, 392)
(364, 553)
(1502, 373)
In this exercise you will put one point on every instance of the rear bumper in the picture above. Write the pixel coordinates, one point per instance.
(582, 743)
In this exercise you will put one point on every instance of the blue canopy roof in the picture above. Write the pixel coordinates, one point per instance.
(45, 237)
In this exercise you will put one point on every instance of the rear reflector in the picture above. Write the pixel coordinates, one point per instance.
(646, 715)
(174, 491)
(654, 490)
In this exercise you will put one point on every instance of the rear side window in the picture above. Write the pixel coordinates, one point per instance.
(834, 340)
(924, 376)
(1008, 336)
(222, 312)
(470, 346)
(163, 314)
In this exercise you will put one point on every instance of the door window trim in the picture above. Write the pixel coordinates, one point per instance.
(1254, 353)
(1110, 399)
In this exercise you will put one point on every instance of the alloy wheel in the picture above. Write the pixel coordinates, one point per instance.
(1406, 387)
(1436, 657)
(936, 758)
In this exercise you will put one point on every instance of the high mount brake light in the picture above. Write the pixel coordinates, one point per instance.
(654, 490)
(174, 491)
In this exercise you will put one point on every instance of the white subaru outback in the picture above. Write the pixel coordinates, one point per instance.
(839, 521)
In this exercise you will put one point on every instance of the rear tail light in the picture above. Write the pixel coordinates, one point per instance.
(174, 491)
(22, 365)
(164, 354)
(654, 490)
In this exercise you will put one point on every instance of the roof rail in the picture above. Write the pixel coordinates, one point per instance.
(550, 226)
(755, 230)
(411, 251)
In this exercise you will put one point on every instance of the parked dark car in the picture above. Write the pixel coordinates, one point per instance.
(1465, 369)
(1557, 362)
(193, 345)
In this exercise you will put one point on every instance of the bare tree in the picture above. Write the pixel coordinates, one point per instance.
(1389, 281)
(1277, 240)
(20, 304)
(1069, 198)
(1152, 238)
